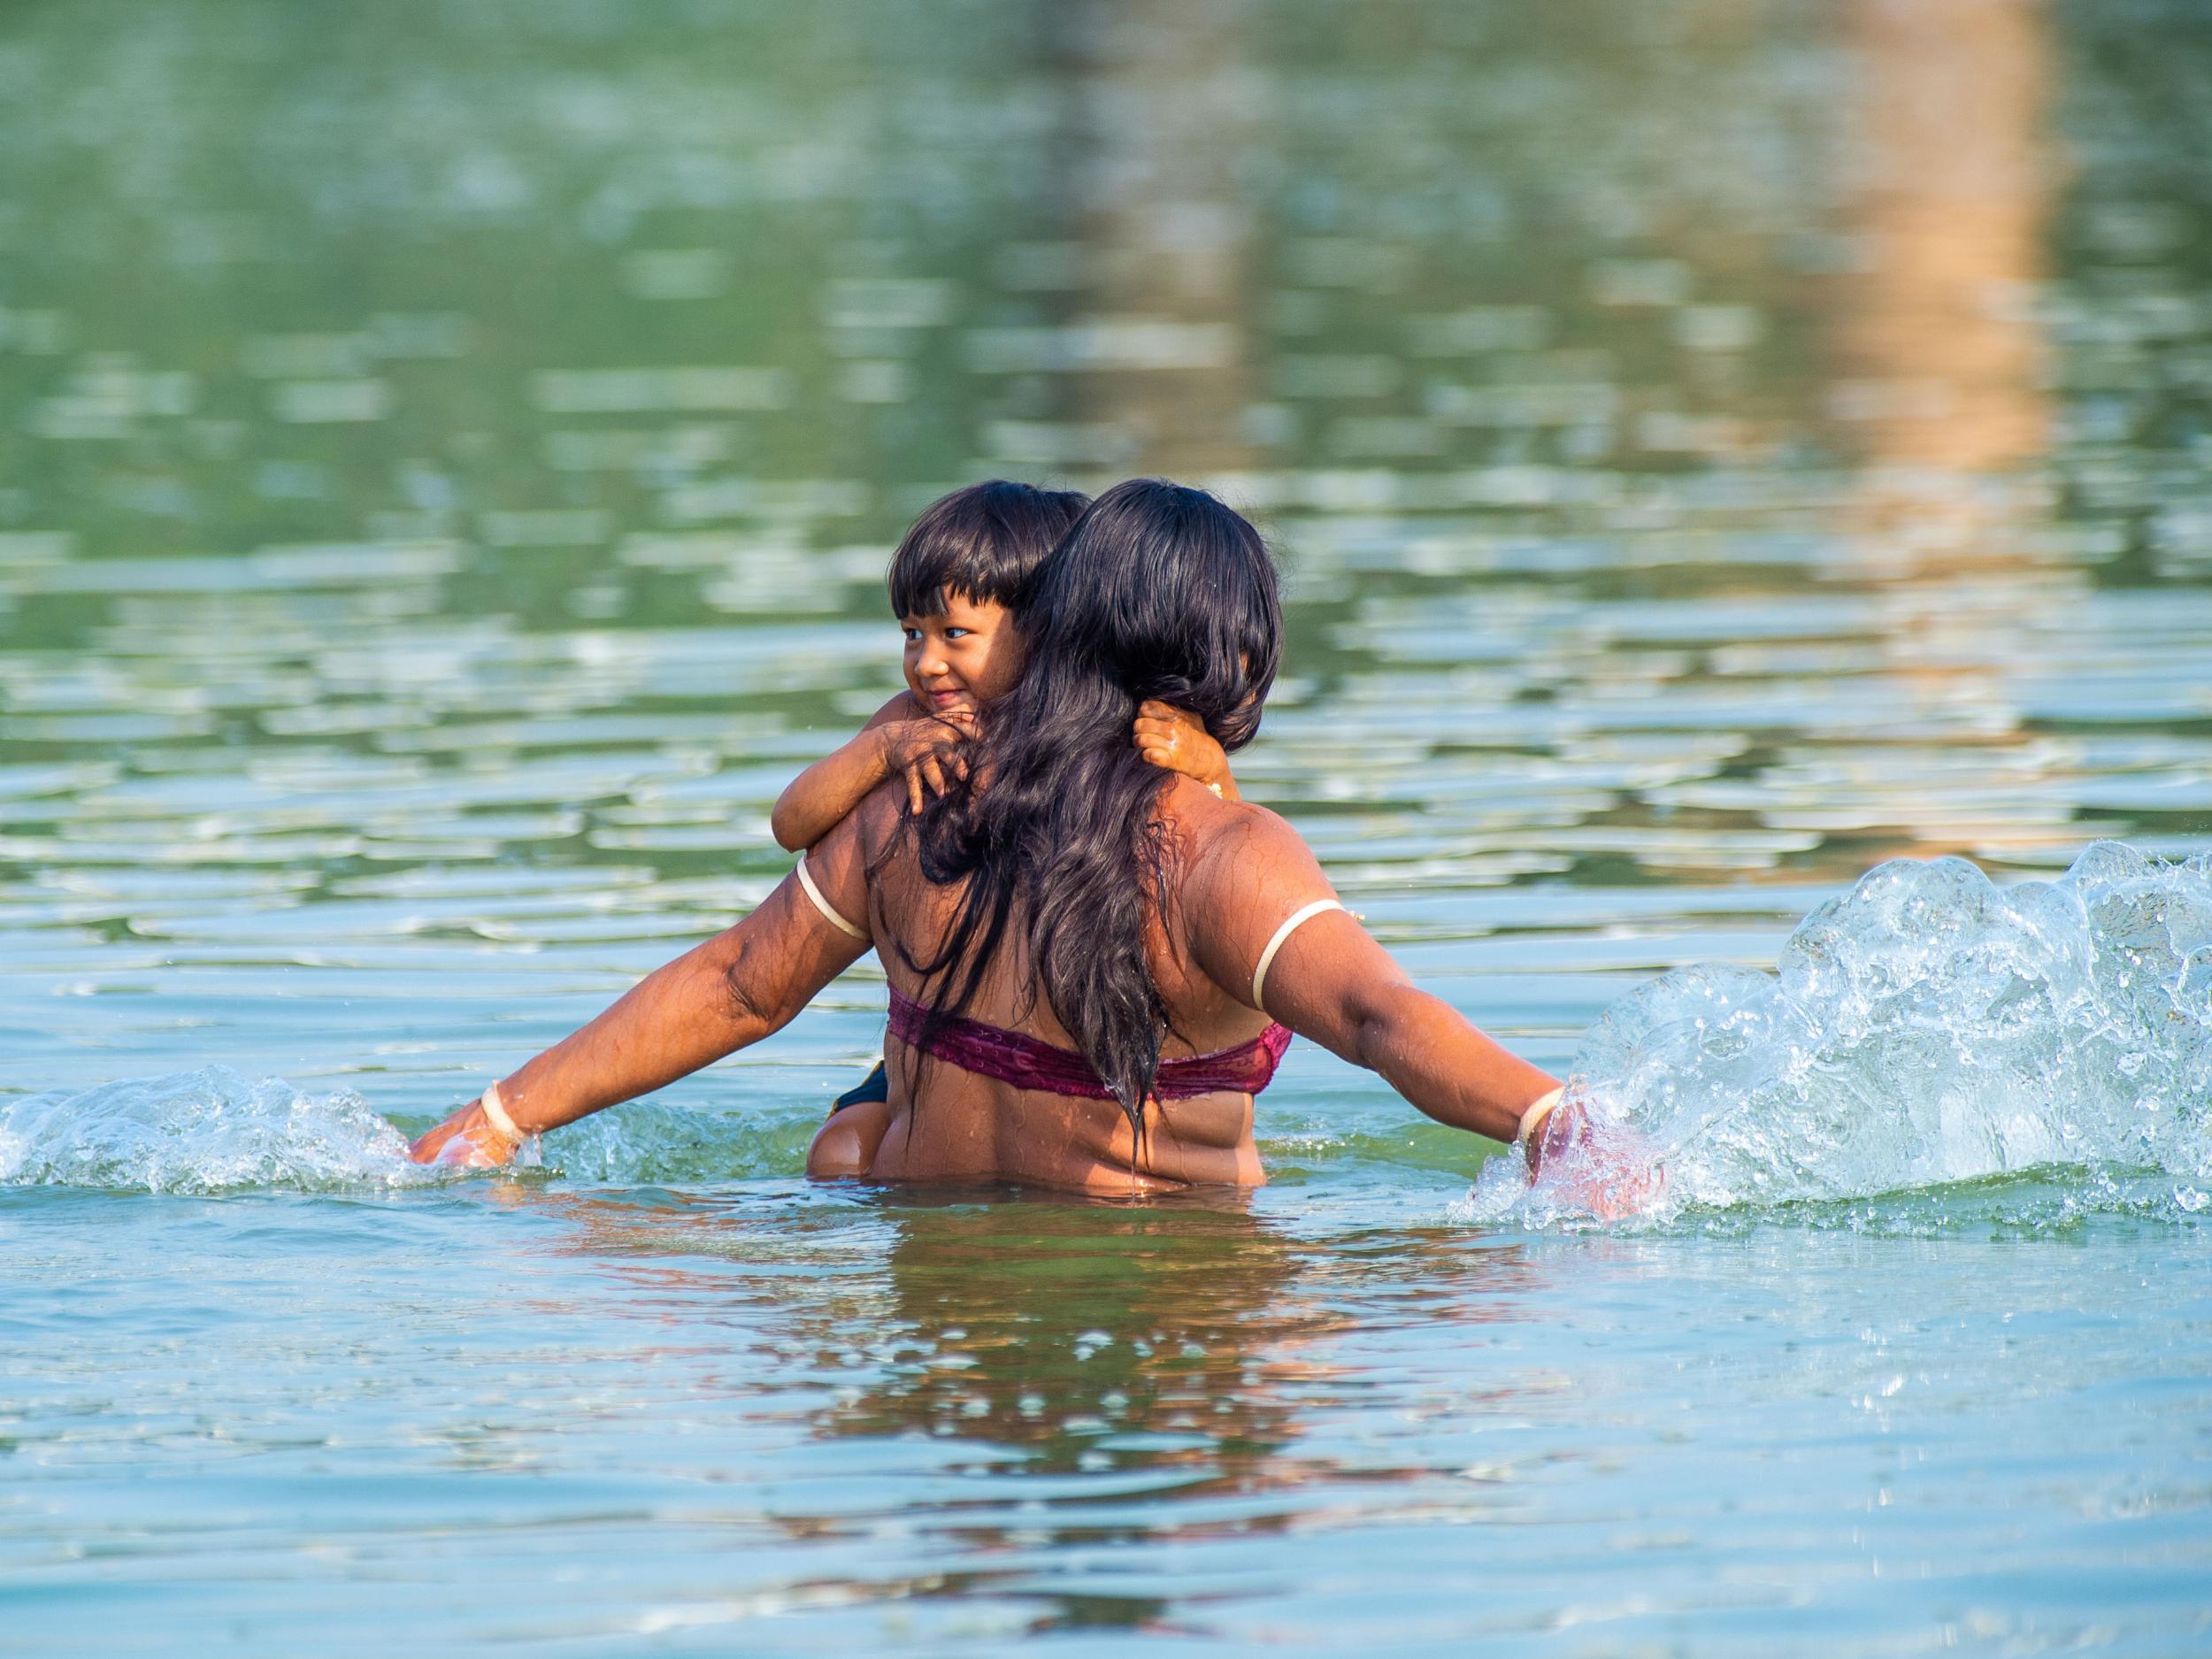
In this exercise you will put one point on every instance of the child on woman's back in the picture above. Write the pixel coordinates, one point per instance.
(955, 582)
(958, 577)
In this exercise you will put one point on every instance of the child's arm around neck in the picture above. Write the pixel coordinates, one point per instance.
(816, 801)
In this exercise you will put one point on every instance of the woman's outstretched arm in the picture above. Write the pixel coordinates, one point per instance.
(1331, 982)
(735, 989)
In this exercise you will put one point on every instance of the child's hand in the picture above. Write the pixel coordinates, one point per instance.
(1173, 739)
(926, 750)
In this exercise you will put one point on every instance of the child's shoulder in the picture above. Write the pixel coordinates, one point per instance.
(902, 707)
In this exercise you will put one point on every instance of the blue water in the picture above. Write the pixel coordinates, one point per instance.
(269, 1375)
(1740, 472)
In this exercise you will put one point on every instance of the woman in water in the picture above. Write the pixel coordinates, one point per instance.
(1093, 965)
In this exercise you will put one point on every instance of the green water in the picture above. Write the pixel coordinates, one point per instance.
(448, 454)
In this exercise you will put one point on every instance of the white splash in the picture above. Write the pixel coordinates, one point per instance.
(201, 1132)
(213, 1131)
(1925, 1029)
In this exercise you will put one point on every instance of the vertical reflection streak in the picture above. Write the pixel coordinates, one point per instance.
(1163, 95)
(1941, 363)
(1947, 208)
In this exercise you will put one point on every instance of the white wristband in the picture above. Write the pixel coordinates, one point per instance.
(1532, 1119)
(496, 1114)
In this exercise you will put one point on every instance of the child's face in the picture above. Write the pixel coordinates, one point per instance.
(966, 657)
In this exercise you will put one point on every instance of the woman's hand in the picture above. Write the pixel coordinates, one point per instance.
(925, 751)
(467, 1141)
(1175, 740)
(1596, 1164)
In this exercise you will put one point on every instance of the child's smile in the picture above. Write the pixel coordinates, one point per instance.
(968, 655)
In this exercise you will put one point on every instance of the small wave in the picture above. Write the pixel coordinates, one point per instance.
(209, 1130)
(648, 1142)
(214, 1131)
(1925, 1029)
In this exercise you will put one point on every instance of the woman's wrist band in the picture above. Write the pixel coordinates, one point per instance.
(496, 1114)
(1532, 1119)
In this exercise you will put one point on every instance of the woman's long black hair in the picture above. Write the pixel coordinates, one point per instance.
(1157, 591)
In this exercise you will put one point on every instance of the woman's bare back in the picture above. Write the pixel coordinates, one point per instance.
(944, 1123)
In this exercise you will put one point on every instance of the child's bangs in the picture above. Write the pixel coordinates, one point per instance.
(924, 585)
(982, 544)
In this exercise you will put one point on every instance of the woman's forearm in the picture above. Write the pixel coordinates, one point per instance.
(739, 986)
(676, 1019)
(1426, 1051)
(742, 984)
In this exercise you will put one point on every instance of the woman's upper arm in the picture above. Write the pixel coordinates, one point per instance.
(838, 866)
(1330, 982)
(783, 954)
(1249, 880)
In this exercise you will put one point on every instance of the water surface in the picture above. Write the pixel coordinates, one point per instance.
(449, 457)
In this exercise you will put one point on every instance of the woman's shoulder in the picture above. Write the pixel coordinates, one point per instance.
(1229, 843)
(851, 855)
(1187, 805)
(877, 818)
(1239, 871)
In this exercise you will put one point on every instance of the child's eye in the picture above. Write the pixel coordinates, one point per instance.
(913, 635)
(953, 633)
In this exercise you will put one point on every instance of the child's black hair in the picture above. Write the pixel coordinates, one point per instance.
(983, 542)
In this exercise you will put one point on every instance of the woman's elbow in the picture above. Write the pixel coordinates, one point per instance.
(1374, 1021)
(751, 1009)
(1341, 1023)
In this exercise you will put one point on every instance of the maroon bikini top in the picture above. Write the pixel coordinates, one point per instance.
(1027, 1062)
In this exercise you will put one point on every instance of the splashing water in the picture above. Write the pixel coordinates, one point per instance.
(200, 1131)
(214, 1131)
(1923, 1029)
